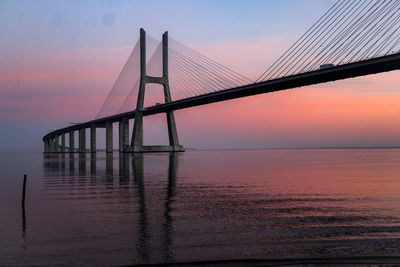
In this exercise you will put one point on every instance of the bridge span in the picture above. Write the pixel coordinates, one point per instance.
(350, 70)
(346, 42)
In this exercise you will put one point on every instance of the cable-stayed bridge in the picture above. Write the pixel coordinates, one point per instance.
(352, 39)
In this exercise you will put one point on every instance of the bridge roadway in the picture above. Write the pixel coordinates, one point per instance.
(340, 72)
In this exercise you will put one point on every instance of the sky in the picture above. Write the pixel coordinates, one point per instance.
(59, 60)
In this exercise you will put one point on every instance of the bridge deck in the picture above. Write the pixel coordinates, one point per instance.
(345, 71)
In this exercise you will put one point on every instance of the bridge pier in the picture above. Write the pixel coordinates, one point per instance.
(123, 134)
(51, 145)
(71, 141)
(46, 146)
(93, 138)
(82, 140)
(109, 137)
(56, 144)
(62, 149)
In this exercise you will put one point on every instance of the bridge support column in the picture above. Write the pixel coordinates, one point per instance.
(71, 141)
(56, 144)
(46, 148)
(51, 145)
(123, 134)
(82, 140)
(62, 149)
(173, 133)
(137, 134)
(47, 143)
(93, 138)
(109, 137)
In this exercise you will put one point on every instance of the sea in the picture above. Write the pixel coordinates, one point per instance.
(199, 206)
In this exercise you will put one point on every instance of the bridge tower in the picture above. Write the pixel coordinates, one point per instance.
(137, 134)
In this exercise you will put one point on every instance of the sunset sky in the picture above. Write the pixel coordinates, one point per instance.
(59, 59)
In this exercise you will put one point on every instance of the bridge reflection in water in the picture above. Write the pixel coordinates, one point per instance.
(68, 177)
(121, 209)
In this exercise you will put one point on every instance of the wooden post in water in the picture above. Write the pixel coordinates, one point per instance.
(23, 192)
(23, 207)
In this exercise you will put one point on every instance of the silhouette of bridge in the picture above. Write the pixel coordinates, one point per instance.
(352, 39)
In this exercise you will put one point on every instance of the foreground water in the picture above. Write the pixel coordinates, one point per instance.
(199, 205)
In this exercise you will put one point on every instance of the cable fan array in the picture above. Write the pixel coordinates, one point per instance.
(127, 81)
(154, 93)
(349, 31)
(190, 74)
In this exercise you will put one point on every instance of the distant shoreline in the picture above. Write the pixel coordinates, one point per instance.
(239, 149)
(287, 148)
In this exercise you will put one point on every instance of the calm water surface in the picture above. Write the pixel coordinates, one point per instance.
(199, 205)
